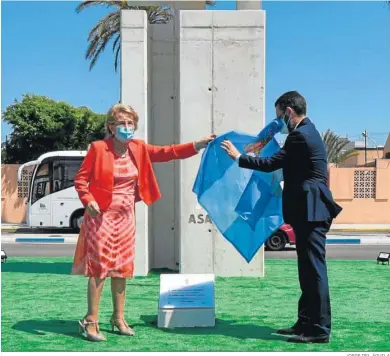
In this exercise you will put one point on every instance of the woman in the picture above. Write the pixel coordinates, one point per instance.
(116, 173)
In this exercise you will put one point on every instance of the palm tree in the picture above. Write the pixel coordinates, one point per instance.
(108, 27)
(336, 148)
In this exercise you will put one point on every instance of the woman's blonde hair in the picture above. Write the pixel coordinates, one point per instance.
(124, 108)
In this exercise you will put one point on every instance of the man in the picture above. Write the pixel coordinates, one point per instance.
(308, 206)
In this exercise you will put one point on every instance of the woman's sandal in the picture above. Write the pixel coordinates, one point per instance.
(123, 331)
(83, 328)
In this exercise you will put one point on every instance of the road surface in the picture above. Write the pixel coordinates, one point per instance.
(347, 252)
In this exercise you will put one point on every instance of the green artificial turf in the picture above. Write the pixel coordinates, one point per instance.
(41, 304)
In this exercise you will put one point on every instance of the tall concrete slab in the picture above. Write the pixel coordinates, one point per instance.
(135, 90)
(195, 120)
(163, 132)
(222, 78)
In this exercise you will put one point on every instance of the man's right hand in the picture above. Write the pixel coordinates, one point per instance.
(230, 149)
(93, 209)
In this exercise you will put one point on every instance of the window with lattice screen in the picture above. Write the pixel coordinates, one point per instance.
(24, 183)
(364, 184)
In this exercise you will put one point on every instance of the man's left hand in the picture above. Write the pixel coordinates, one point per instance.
(230, 149)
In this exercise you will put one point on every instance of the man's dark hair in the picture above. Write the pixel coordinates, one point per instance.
(294, 100)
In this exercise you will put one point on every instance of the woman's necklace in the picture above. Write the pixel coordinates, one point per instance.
(119, 148)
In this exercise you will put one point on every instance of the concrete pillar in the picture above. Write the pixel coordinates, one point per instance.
(221, 86)
(163, 122)
(135, 90)
(195, 121)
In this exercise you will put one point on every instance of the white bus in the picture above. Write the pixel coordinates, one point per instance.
(52, 199)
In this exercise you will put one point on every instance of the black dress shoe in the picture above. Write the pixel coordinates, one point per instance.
(305, 339)
(294, 330)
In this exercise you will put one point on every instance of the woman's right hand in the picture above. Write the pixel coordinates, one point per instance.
(93, 209)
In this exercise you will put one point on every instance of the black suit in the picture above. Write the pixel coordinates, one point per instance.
(308, 206)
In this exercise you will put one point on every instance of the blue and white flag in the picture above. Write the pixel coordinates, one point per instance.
(244, 205)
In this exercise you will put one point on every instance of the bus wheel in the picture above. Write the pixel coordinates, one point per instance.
(77, 220)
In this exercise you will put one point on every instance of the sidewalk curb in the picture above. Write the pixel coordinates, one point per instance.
(375, 241)
(40, 240)
(330, 241)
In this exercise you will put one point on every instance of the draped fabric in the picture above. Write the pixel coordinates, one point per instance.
(244, 205)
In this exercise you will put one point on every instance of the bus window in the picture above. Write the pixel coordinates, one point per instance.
(71, 169)
(43, 170)
(41, 186)
(64, 172)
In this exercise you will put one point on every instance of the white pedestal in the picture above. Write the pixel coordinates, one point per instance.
(186, 301)
(186, 318)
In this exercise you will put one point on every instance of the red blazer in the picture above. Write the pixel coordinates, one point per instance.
(95, 179)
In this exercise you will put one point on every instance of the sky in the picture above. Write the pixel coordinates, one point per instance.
(337, 54)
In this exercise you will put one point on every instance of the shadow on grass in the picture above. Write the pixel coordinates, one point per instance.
(159, 271)
(38, 267)
(222, 327)
(43, 327)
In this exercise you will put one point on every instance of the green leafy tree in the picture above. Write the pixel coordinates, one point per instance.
(108, 28)
(41, 124)
(335, 147)
(4, 150)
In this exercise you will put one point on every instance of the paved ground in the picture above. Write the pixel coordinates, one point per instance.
(70, 232)
(335, 227)
(346, 252)
(69, 237)
(66, 244)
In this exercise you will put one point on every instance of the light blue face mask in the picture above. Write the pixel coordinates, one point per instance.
(124, 134)
(284, 130)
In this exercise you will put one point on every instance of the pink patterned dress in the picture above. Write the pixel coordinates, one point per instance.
(106, 245)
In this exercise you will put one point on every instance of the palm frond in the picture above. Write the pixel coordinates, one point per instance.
(85, 4)
(108, 27)
(335, 147)
(344, 156)
(100, 35)
(116, 42)
(159, 15)
(118, 50)
(111, 20)
(98, 45)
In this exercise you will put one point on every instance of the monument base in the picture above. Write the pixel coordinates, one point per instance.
(186, 318)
